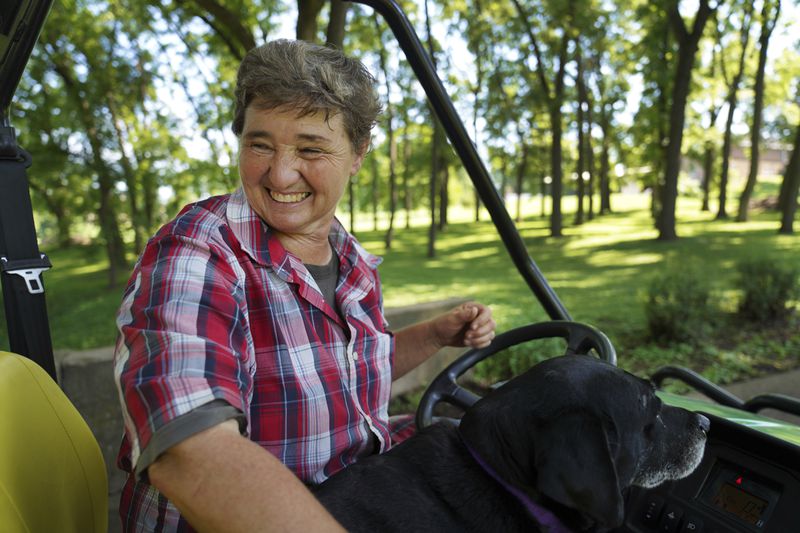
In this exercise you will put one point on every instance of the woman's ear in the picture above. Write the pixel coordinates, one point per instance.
(361, 153)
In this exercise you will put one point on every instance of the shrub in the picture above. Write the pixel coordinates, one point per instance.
(768, 287)
(678, 306)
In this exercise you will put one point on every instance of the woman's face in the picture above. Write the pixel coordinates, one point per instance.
(294, 169)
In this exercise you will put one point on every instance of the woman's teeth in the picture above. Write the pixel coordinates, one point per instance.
(289, 198)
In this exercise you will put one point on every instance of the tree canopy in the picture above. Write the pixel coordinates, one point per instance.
(126, 104)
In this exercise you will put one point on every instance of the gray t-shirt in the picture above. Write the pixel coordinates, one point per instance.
(326, 277)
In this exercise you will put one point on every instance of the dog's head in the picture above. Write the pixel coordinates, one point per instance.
(578, 431)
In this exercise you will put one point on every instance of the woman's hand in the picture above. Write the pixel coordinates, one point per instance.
(470, 324)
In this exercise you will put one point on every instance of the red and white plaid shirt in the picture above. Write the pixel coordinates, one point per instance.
(217, 309)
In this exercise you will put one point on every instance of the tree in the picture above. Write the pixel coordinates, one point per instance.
(438, 169)
(391, 138)
(731, 101)
(228, 24)
(93, 100)
(554, 98)
(791, 186)
(770, 11)
(336, 23)
(709, 132)
(687, 48)
(307, 12)
(583, 141)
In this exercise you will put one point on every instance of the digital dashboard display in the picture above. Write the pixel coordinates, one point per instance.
(741, 503)
(742, 496)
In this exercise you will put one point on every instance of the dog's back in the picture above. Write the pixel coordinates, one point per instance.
(427, 483)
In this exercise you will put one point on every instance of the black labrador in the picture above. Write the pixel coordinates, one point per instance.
(551, 450)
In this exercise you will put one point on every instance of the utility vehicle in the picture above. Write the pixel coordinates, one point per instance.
(52, 476)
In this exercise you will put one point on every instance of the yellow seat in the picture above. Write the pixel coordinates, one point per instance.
(52, 475)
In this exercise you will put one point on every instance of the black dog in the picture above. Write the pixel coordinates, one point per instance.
(551, 450)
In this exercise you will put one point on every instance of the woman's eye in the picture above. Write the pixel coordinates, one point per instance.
(310, 152)
(260, 148)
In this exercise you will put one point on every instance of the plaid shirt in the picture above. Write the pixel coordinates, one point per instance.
(217, 309)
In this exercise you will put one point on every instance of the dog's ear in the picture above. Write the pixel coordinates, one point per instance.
(575, 467)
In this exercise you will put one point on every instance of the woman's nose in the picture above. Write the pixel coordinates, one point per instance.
(284, 168)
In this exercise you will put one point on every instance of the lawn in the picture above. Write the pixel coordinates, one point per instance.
(600, 270)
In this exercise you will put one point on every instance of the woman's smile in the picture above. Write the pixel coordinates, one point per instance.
(288, 198)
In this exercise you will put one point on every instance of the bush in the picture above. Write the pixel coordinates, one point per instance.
(678, 306)
(768, 288)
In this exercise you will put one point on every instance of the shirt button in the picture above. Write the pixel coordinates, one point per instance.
(355, 355)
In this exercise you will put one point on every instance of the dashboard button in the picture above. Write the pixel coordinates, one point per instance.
(670, 519)
(651, 510)
(692, 524)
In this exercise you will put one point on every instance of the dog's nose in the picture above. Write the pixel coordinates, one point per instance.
(703, 422)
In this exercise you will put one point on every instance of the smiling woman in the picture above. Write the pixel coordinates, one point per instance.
(254, 356)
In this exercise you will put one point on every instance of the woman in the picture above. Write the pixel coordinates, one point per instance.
(253, 355)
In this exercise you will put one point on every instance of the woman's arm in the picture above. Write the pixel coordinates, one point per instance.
(470, 324)
(221, 481)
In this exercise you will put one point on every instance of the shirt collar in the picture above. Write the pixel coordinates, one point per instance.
(256, 240)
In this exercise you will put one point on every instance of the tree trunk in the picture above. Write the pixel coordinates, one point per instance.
(722, 213)
(581, 163)
(768, 22)
(708, 169)
(589, 149)
(375, 193)
(129, 177)
(521, 170)
(475, 112)
(554, 102)
(444, 183)
(503, 179)
(790, 188)
(688, 43)
(307, 12)
(406, 173)
(432, 188)
(391, 138)
(59, 211)
(351, 204)
(557, 175)
(227, 24)
(605, 162)
(733, 100)
(556, 156)
(336, 24)
(435, 148)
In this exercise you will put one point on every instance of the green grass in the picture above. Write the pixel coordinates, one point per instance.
(600, 270)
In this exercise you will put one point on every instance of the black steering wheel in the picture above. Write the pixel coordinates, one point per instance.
(581, 338)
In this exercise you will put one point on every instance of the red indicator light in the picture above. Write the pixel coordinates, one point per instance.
(739, 480)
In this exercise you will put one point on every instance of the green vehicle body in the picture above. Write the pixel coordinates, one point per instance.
(775, 428)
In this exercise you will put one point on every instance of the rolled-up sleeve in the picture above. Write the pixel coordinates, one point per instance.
(183, 340)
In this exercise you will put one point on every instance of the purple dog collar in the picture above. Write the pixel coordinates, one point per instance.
(543, 516)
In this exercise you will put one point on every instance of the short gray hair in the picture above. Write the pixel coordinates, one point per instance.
(309, 78)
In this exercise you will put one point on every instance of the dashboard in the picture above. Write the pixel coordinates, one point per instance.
(748, 482)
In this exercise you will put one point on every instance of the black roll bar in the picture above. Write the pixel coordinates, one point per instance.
(20, 24)
(426, 74)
